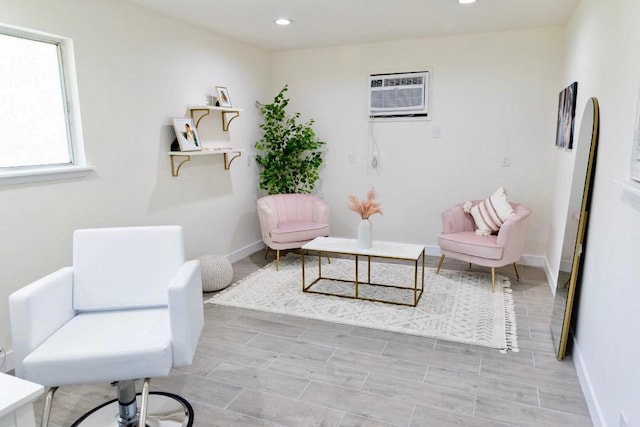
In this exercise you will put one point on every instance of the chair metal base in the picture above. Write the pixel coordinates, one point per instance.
(493, 272)
(163, 410)
(266, 252)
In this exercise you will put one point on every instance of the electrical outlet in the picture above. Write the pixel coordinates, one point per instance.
(506, 160)
(436, 132)
(352, 158)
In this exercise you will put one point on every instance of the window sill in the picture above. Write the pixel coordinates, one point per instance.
(53, 173)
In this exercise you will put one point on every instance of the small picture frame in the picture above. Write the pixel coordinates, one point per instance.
(223, 96)
(186, 134)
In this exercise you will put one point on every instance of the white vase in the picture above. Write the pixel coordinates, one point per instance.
(365, 231)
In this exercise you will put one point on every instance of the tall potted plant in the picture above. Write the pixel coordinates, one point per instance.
(289, 154)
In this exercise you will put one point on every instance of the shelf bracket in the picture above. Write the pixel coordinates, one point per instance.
(176, 170)
(227, 161)
(205, 112)
(226, 121)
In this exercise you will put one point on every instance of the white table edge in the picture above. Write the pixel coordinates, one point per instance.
(17, 393)
(380, 249)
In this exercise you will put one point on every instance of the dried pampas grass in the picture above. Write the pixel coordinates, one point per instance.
(366, 207)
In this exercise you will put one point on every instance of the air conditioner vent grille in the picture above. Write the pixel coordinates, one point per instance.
(399, 94)
(399, 98)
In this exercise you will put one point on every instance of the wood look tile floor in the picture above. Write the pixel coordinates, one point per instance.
(260, 369)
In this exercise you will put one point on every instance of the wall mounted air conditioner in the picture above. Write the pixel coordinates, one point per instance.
(399, 94)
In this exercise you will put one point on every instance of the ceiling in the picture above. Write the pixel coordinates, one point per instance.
(322, 23)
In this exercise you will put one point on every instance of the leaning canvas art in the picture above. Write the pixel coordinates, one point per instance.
(566, 116)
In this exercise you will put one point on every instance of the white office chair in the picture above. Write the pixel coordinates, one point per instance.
(130, 307)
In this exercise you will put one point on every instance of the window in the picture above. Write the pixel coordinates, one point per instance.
(40, 130)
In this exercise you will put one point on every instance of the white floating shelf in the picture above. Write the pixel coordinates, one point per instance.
(213, 108)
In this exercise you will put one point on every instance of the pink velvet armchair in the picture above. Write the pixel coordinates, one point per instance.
(458, 240)
(288, 221)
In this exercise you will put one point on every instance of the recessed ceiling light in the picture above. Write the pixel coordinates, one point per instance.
(466, 1)
(283, 21)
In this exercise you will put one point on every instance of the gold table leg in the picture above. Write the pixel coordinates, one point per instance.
(303, 289)
(356, 276)
(415, 283)
(423, 270)
(417, 292)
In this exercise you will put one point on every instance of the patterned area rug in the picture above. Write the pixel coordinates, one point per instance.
(455, 306)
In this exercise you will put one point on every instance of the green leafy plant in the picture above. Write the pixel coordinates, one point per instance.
(289, 152)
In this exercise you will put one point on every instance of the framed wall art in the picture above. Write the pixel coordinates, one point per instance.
(186, 134)
(223, 96)
(566, 116)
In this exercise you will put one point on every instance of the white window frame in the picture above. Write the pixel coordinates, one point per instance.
(78, 167)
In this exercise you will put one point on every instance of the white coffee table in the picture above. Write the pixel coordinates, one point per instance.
(16, 397)
(384, 250)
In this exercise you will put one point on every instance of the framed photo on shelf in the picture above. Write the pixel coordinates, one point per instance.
(186, 134)
(223, 96)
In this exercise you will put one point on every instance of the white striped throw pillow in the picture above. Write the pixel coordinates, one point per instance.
(491, 213)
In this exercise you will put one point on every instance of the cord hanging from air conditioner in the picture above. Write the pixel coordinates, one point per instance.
(373, 163)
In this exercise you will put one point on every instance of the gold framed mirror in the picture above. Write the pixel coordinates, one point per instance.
(574, 243)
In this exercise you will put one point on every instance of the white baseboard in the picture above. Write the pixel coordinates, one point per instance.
(429, 250)
(432, 250)
(533, 261)
(8, 362)
(245, 252)
(551, 279)
(587, 389)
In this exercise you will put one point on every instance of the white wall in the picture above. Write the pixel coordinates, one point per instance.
(491, 94)
(602, 55)
(136, 70)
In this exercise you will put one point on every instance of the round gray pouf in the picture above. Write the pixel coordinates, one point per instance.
(216, 272)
